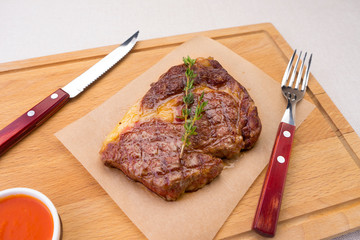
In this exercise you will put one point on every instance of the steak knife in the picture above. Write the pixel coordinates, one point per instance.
(27, 122)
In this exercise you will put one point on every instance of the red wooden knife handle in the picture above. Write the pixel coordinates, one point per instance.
(19, 128)
(268, 209)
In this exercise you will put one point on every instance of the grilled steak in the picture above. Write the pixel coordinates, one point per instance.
(146, 144)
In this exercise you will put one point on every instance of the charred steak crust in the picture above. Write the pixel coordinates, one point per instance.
(148, 150)
(149, 154)
(210, 73)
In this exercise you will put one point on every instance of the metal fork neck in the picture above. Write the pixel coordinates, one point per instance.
(289, 115)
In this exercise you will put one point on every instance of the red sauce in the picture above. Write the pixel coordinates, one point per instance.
(24, 217)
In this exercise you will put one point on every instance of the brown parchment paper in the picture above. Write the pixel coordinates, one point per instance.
(197, 215)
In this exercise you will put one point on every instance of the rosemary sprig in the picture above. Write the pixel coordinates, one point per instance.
(188, 99)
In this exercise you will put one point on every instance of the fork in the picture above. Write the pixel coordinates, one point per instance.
(268, 209)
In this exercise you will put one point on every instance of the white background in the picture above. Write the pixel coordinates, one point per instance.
(330, 29)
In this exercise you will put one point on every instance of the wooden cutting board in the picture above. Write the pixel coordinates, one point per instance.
(322, 193)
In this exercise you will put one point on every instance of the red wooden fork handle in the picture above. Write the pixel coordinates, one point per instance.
(268, 209)
(22, 126)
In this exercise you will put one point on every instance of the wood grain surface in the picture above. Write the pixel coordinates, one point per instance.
(322, 192)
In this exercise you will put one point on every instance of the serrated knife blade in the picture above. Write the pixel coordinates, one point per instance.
(77, 85)
(27, 122)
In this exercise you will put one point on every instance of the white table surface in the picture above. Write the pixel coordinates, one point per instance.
(330, 29)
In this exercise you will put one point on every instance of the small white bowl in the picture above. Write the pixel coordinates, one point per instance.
(41, 197)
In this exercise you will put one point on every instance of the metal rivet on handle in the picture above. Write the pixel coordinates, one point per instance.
(287, 134)
(280, 159)
(31, 113)
(54, 96)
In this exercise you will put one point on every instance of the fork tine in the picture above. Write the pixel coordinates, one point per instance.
(306, 77)
(287, 71)
(294, 70)
(298, 80)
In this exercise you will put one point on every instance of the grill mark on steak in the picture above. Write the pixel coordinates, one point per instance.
(148, 151)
